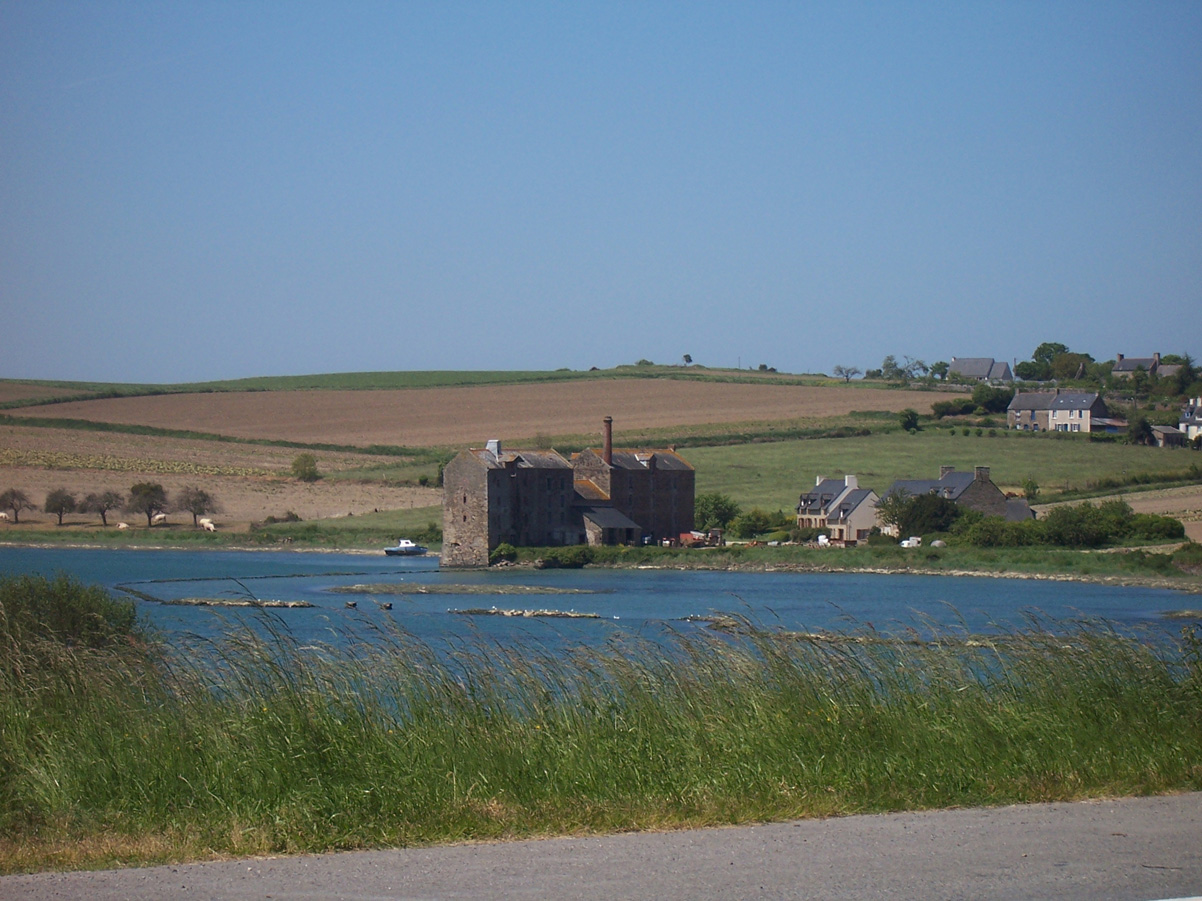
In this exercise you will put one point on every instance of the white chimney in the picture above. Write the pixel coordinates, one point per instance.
(494, 447)
(851, 482)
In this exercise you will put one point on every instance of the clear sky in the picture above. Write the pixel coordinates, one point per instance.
(215, 190)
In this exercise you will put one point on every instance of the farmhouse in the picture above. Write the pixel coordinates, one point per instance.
(536, 498)
(1056, 411)
(843, 508)
(981, 369)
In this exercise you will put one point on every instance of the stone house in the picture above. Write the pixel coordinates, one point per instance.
(843, 508)
(981, 369)
(972, 490)
(1056, 411)
(537, 498)
(1125, 367)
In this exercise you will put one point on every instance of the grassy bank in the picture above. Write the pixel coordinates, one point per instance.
(115, 750)
(1161, 567)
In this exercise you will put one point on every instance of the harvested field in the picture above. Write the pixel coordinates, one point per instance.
(242, 500)
(468, 416)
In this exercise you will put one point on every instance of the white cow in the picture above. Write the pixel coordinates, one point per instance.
(122, 525)
(3, 517)
(209, 526)
(158, 519)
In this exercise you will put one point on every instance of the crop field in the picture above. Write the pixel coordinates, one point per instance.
(459, 417)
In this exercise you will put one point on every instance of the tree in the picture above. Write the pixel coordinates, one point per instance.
(1186, 375)
(195, 501)
(926, 513)
(1030, 489)
(891, 507)
(847, 373)
(60, 501)
(1070, 366)
(148, 498)
(992, 400)
(102, 503)
(714, 510)
(908, 419)
(890, 370)
(16, 500)
(1139, 431)
(1048, 351)
(939, 370)
(688, 359)
(1030, 371)
(304, 467)
(913, 368)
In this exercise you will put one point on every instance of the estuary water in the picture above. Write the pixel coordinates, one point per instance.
(428, 604)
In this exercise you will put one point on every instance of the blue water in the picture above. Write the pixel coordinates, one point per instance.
(639, 601)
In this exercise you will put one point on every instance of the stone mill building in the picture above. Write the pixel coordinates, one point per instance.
(538, 498)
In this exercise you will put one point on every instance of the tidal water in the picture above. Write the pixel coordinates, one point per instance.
(643, 602)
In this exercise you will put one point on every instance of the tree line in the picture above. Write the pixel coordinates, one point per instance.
(147, 499)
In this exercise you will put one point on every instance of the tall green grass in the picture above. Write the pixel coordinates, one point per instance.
(257, 744)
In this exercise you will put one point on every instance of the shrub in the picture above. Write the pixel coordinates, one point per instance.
(502, 552)
(63, 610)
(574, 557)
(304, 467)
(961, 407)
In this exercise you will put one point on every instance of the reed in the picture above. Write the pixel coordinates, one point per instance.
(129, 750)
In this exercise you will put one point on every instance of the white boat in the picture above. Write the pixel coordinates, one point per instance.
(405, 548)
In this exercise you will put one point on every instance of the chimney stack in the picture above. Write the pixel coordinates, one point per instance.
(607, 452)
(981, 473)
(946, 470)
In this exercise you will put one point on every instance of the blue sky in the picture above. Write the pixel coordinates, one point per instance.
(217, 190)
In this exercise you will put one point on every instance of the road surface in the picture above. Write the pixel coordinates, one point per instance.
(1138, 849)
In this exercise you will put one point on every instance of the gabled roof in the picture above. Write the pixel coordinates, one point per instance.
(971, 367)
(950, 486)
(847, 505)
(1000, 372)
(1130, 364)
(833, 497)
(1049, 400)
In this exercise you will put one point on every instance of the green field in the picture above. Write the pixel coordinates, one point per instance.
(772, 475)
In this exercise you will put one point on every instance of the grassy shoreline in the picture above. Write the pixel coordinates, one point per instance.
(116, 750)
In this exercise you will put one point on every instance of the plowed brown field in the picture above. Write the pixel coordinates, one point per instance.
(469, 416)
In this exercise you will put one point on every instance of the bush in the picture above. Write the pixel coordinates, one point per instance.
(502, 552)
(574, 557)
(1153, 527)
(960, 407)
(63, 610)
(304, 467)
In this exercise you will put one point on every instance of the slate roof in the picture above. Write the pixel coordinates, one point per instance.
(639, 458)
(608, 518)
(848, 504)
(1130, 364)
(1018, 510)
(1049, 400)
(950, 486)
(523, 459)
(971, 367)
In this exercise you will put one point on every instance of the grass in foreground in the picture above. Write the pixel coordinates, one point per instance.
(116, 750)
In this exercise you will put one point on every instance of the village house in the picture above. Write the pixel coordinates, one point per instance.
(842, 507)
(1191, 419)
(981, 369)
(537, 498)
(1057, 411)
(972, 490)
(1125, 367)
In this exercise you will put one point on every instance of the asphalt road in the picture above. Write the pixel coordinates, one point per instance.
(1142, 848)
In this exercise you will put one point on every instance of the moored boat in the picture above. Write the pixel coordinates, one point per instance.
(405, 548)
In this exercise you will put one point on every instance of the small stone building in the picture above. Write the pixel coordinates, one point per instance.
(1056, 411)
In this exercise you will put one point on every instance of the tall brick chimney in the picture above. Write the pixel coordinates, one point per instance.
(607, 452)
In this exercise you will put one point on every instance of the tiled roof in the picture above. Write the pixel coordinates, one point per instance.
(523, 459)
(639, 458)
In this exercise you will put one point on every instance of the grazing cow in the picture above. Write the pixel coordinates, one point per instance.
(158, 519)
(3, 517)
